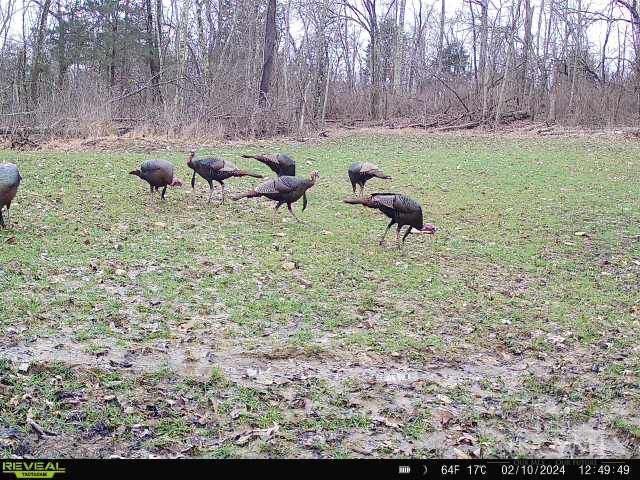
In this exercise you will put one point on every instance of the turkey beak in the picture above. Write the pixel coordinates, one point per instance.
(430, 229)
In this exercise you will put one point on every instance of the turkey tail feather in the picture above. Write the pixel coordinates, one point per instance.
(244, 173)
(262, 159)
(249, 194)
(382, 175)
(358, 201)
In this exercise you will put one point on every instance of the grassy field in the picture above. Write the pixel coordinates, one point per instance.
(135, 328)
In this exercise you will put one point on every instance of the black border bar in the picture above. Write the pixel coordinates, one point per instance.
(492, 469)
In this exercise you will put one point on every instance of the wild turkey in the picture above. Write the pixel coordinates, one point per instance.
(402, 211)
(285, 189)
(361, 173)
(9, 182)
(158, 174)
(215, 169)
(281, 164)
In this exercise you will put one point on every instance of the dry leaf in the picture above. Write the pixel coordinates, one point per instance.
(460, 454)
(288, 266)
(443, 416)
(466, 439)
(386, 421)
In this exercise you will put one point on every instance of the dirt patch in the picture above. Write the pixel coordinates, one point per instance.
(464, 410)
(139, 143)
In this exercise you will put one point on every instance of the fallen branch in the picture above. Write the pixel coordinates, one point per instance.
(139, 90)
(512, 116)
(452, 91)
(126, 119)
(22, 131)
(463, 126)
(15, 114)
(40, 431)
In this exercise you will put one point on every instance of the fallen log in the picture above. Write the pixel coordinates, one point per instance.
(17, 114)
(513, 116)
(432, 124)
(22, 131)
(120, 131)
(463, 126)
(22, 142)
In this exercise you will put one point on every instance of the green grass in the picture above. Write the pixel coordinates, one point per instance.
(511, 307)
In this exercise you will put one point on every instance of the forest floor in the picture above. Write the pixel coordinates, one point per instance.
(137, 328)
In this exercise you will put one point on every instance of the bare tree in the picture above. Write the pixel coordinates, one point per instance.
(182, 65)
(484, 45)
(399, 50)
(37, 50)
(368, 20)
(515, 16)
(269, 52)
(153, 56)
(441, 33)
(527, 50)
(631, 7)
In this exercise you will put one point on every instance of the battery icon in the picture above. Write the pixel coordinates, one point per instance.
(404, 469)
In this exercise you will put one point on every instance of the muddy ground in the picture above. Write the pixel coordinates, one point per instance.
(133, 328)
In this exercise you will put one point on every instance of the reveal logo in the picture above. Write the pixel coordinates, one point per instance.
(33, 469)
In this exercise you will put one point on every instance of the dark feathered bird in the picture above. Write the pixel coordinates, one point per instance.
(283, 190)
(402, 210)
(215, 169)
(361, 173)
(281, 164)
(158, 174)
(9, 182)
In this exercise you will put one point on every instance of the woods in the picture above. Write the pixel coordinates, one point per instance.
(238, 68)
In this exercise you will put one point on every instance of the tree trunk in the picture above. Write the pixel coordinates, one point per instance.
(441, 35)
(202, 43)
(287, 58)
(538, 75)
(632, 7)
(399, 44)
(269, 52)
(153, 57)
(603, 58)
(484, 70)
(577, 53)
(348, 61)
(322, 50)
(526, 52)
(63, 63)
(370, 5)
(474, 48)
(113, 52)
(550, 83)
(515, 15)
(21, 79)
(326, 96)
(37, 51)
(159, 21)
